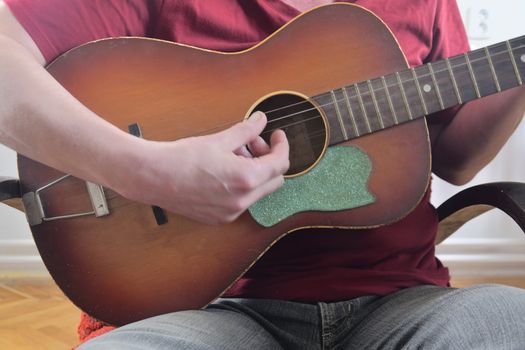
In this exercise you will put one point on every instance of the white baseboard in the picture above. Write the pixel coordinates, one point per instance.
(464, 257)
(19, 257)
(483, 257)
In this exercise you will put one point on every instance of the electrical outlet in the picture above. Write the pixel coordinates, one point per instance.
(488, 21)
(478, 22)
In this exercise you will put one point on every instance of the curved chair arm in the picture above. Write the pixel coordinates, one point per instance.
(10, 192)
(471, 202)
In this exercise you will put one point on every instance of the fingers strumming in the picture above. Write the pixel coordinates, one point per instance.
(280, 150)
(244, 132)
(258, 147)
(244, 152)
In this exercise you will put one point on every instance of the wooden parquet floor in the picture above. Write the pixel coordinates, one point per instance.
(34, 314)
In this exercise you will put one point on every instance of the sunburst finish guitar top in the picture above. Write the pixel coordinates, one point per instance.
(313, 78)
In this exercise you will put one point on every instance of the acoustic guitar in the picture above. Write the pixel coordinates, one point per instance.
(334, 79)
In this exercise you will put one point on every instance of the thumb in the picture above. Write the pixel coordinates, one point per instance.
(242, 133)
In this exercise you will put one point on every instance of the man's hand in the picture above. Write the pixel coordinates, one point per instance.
(212, 179)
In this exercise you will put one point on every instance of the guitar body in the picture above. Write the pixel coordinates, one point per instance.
(125, 266)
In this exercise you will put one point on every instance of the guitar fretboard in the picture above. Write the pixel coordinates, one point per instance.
(376, 104)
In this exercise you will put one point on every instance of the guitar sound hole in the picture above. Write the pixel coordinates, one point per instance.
(303, 124)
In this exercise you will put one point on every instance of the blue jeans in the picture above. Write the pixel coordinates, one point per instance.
(424, 317)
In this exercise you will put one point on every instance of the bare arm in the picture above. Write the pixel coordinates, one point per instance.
(41, 120)
(475, 136)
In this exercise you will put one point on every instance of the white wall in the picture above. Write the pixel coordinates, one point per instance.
(18, 254)
(492, 244)
(13, 223)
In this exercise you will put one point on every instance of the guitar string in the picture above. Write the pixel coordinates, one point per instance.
(505, 51)
(374, 90)
(222, 126)
(354, 95)
(322, 132)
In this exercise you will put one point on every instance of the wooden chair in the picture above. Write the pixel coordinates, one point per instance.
(509, 197)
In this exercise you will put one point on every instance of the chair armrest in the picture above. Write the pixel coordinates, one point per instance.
(10, 192)
(509, 197)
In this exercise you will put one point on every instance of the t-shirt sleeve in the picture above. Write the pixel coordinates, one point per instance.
(59, 25)
(449, 39)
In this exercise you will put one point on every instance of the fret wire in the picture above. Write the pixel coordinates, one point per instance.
(434, 80)
(449, 69)
(453, 79)
(492, 69)
(472, 77)
(513, 60)
(420, 93)
(338, 113)
(386, 85)
(389, 98)
(362, 105)
(376, 105)
(404, 95)
(352, 117)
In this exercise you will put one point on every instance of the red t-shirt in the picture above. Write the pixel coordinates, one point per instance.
(302, 266)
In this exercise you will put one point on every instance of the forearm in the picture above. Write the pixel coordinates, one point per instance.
(476, 134)
(200, 177)
(41, 120)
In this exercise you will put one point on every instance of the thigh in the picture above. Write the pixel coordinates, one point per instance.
(213, 328)
(429, 317)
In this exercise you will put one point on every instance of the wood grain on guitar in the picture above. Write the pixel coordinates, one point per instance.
(336, 64)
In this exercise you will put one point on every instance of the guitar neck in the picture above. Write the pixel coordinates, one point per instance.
(376, 104)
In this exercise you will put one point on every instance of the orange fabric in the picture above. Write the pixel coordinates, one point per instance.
(90, 327)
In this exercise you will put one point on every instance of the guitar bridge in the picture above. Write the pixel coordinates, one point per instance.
(36, 214)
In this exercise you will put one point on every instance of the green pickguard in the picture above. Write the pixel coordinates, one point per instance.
(338, 182)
